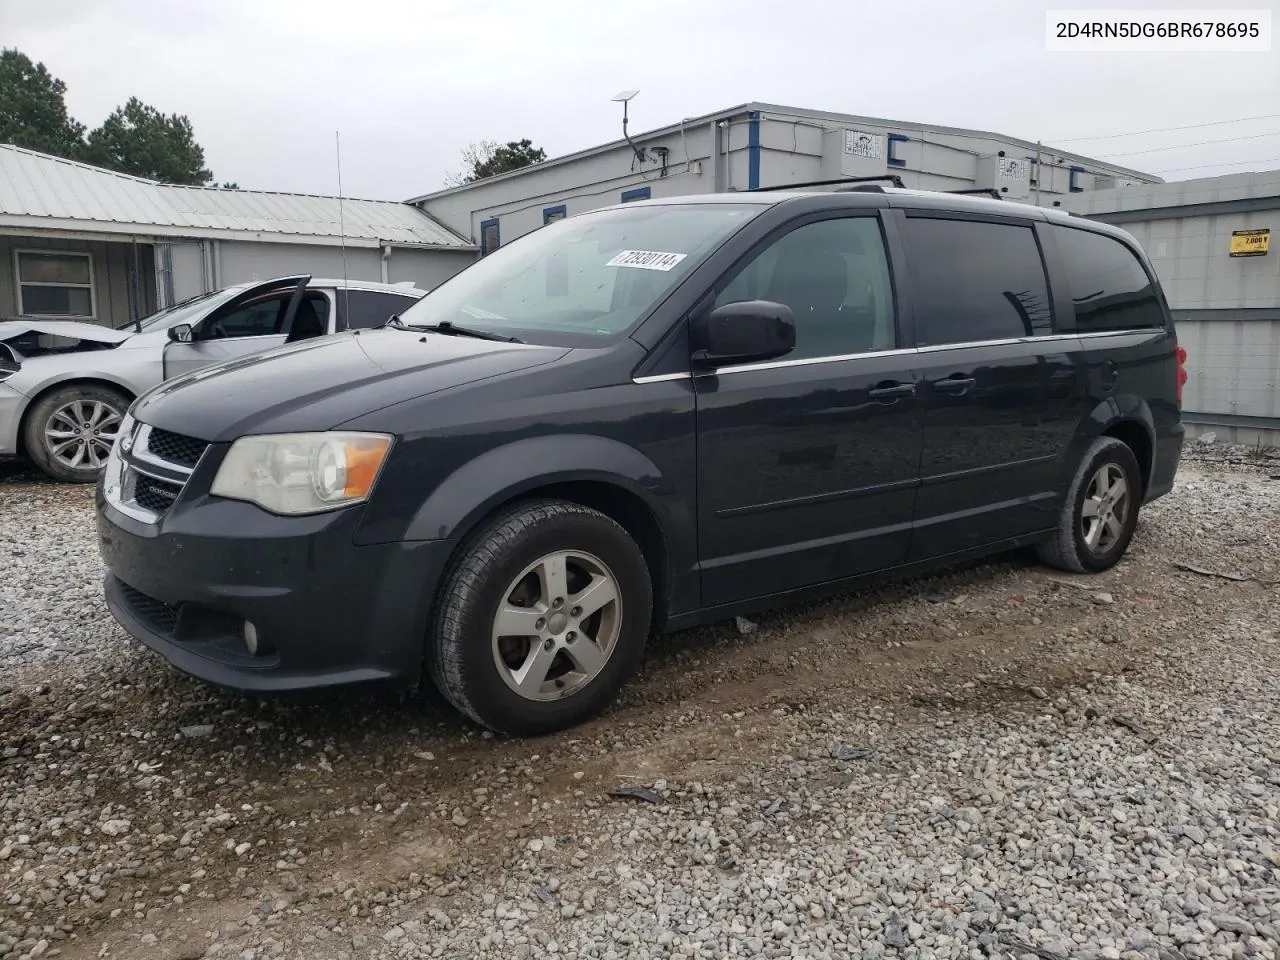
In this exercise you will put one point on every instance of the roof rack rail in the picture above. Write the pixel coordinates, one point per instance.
(892, 178)
(983, 191)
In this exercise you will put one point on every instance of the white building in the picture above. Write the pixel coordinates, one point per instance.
(763, 145)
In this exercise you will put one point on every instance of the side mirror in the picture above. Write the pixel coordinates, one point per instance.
(181, 333)
(742, 332)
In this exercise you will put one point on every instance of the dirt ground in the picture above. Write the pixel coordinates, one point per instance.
(346, 809)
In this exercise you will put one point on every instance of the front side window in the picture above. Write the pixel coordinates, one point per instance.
(976, 281)
(259, 319)
(265, 317)
(834, 277)
(1109, 287)
(581, 280)
(54, 284)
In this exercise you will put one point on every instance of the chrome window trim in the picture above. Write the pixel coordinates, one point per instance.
(661, 377)
(809, 361)
(1094, 334)
(899, 352)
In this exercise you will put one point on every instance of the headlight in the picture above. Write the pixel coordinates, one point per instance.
(9, 364)
(297, 473)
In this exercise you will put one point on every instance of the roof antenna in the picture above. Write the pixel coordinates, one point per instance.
(342, 232)
(625, 97)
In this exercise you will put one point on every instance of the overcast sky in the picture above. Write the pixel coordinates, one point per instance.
(409, 83)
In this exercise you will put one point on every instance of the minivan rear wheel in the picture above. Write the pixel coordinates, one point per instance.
(1100, 512)
(542, 618)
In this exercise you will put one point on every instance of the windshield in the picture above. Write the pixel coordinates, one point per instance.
(583, 279)
(188, 311)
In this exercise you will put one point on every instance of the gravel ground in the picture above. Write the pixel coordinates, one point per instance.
(997, 762)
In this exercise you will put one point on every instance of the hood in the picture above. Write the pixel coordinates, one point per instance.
(317, 384)
(73, 329)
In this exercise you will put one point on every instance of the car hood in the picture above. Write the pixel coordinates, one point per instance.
(77, 329)
(318, 384)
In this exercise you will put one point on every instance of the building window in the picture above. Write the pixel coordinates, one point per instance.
(552, 214)
(54, 284)
(490, 237)
(639, 193)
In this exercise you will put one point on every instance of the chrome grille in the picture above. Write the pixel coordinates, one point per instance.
(149, 470)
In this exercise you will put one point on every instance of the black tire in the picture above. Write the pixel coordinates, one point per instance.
(1069, 549)
(462, 651)
(40, 415)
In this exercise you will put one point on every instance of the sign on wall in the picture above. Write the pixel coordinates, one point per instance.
(1250, 243)
(869, 146)
(1012, 168)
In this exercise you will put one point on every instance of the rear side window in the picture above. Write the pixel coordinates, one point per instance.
(1109, 287)
(976, 281)
(369, 308)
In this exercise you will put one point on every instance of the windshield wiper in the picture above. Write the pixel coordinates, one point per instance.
(452, 329)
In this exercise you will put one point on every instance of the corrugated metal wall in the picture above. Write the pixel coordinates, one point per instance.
(1233, 366)
(1191, 256)
(1227, 309)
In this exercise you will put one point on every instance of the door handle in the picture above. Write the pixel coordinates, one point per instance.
(890, 392)
(954, 384)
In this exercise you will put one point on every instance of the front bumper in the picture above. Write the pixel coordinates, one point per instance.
(12, 404)
(327, 611)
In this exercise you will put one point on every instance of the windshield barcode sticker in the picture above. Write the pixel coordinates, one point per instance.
(646, 260)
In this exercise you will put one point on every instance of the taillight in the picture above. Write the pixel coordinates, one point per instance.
(1181, 354)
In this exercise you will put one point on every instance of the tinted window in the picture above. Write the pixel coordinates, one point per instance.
(368, 308)
(265, 317)
(834, 276)
(260, 319)
(976, 281)
(1109, 287)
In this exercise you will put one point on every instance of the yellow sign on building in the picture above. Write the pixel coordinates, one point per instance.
(1250, 243)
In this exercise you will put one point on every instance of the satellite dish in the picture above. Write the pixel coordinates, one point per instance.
(624, 98)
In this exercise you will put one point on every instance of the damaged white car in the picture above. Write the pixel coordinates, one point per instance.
(65, 385)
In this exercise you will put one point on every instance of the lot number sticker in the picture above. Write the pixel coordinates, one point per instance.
(646, 260)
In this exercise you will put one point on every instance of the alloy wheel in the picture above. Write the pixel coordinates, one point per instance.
(557, 625)
(81, 433)
(1105, 509)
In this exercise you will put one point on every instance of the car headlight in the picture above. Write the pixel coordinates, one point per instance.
(298, 473)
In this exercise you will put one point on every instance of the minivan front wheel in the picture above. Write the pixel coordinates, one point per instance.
(542, 618)
(1100, 512)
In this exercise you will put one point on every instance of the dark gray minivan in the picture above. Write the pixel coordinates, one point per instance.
(640, 419)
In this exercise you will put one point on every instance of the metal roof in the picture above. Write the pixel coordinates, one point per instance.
(46, 192)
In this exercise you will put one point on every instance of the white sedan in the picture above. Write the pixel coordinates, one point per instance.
(65, 385)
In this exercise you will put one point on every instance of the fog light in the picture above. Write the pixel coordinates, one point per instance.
(251, 638)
